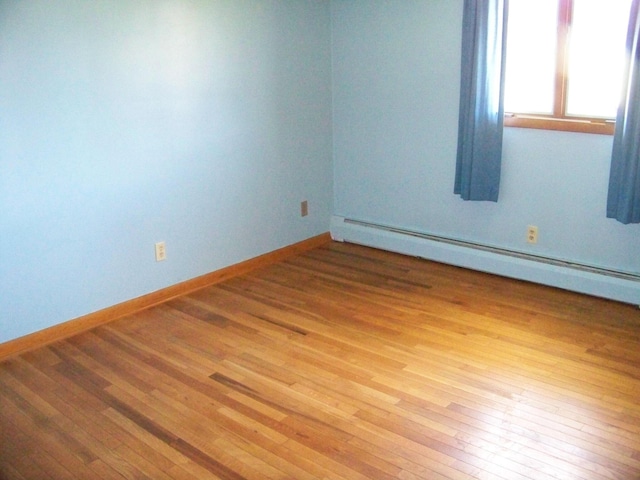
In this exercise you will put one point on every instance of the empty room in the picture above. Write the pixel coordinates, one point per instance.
(320, 239)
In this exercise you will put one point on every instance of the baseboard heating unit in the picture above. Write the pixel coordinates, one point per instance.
(613, 284)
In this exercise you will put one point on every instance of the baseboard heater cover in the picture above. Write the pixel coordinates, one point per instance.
(593, 280)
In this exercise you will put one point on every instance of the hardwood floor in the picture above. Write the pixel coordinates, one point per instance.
(341, 363)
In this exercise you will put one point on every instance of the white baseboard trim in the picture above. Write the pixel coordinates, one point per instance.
(617, 286)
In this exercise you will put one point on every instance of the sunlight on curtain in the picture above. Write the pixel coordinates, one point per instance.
(623, 202)
(481, 100)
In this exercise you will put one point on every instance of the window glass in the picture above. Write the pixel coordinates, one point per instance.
(596, 57)
(531, 56)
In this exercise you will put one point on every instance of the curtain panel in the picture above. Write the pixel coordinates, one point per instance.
(623, 201)
(481, 114)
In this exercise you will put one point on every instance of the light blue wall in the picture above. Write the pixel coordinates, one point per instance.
(395, 100)
(205, 123)
(122, 123)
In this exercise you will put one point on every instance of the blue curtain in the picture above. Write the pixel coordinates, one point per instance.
(481, 100)
(623, 202)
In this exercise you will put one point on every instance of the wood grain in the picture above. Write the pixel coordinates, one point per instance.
(106, 315)
(342, 362)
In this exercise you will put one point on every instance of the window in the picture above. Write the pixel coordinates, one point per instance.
(565, 63)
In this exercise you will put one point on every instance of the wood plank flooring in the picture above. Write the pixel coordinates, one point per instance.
(341, 363)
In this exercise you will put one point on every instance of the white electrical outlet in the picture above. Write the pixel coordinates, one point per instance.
(161, 252)
(532, 234)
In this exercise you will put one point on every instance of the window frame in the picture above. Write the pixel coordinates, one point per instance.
(559, 120)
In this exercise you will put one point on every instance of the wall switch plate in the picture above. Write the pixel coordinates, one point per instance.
(161, 252)
(532, 234)
(304, 208)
